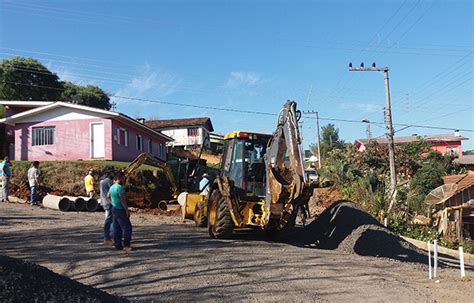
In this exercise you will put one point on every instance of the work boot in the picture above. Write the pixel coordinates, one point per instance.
(127, 249)
(109, 242)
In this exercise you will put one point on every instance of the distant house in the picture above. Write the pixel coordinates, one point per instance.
(217, 143)
(66, 131)
(449, 144)
(187, 133)
(466, 161)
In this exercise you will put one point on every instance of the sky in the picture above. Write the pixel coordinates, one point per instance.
(239, 61)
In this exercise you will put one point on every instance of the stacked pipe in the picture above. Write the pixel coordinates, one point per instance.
(69, 203)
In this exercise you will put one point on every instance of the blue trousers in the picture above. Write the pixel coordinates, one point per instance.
(34, 194)
(108, 222)
(122, 226)
(5, 181)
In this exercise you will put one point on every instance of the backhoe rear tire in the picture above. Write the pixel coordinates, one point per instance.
(220, 222)
(199, 216)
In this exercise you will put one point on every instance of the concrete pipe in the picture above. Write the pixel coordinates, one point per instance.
(57, 202)
(91, 204)
(163, 205)
(77, 203)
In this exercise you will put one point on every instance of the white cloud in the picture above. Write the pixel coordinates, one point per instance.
(238, 79)
(153, 84)
(363, 107)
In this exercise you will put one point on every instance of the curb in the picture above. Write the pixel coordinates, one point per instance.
(443, 250)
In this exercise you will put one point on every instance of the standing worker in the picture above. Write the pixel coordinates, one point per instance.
(104, 187)
(5, 174)
(33, 180)
(89, 184)
(121, 215)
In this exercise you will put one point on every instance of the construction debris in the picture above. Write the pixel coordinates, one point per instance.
(22, 281)
(346, 227)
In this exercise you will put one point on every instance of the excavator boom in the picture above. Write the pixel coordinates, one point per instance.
(286, 185)
(149, 159)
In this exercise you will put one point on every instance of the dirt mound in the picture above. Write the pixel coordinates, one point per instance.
(346, 227)
(322, 198)
(22, 281)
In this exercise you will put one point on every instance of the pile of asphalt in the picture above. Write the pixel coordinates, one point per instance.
(22, 281)
(345, 226)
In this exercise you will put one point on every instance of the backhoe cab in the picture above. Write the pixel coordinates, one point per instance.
(262, 181)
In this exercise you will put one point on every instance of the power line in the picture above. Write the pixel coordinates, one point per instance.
(243, 111)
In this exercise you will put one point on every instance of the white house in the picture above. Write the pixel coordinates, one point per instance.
(187, 133)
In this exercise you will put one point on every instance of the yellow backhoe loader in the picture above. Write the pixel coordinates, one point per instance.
(262, 182)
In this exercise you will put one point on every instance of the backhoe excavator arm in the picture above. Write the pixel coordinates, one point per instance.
(286, 185)
(149, 159)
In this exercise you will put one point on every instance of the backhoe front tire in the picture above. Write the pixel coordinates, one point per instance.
(199, 216)
(220, 222)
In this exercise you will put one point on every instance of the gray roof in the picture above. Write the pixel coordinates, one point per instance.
(465, 160)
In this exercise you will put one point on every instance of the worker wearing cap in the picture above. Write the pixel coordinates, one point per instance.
(89, 183)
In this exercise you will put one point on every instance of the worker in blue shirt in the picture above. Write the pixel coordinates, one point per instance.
(120, 215)
(5, 174)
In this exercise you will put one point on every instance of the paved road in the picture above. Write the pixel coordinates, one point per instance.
(174, 261)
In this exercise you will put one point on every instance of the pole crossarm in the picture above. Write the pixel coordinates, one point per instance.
(362, 69)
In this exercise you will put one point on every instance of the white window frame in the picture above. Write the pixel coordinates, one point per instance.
(125, 136)
(43, 135)
(150, 146)
(193, 131)
(139, 142)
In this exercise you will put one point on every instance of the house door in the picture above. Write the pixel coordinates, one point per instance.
(97, 140)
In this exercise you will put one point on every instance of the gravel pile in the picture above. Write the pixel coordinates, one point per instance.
(22, 281)
(346, 227)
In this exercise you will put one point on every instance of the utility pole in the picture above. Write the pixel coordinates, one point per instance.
(319, 137)
(368, 131)
(388, 120)
(319, 142)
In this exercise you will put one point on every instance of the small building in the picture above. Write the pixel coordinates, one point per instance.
(217, 143)
(459, 206)
(188, 133)
(65, 131)
(448, 144)
(466, 161)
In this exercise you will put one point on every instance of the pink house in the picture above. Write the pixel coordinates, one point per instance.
(449, 144)
(66, 131)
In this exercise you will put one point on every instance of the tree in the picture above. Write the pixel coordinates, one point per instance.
(28, 79)
(89, 95)
(329, 140)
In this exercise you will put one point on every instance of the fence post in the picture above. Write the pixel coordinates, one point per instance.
(461, 261)
(435, 256)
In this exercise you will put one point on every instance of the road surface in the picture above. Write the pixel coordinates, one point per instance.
(175, 261)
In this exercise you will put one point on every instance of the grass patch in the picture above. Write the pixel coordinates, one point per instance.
(68, 176)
